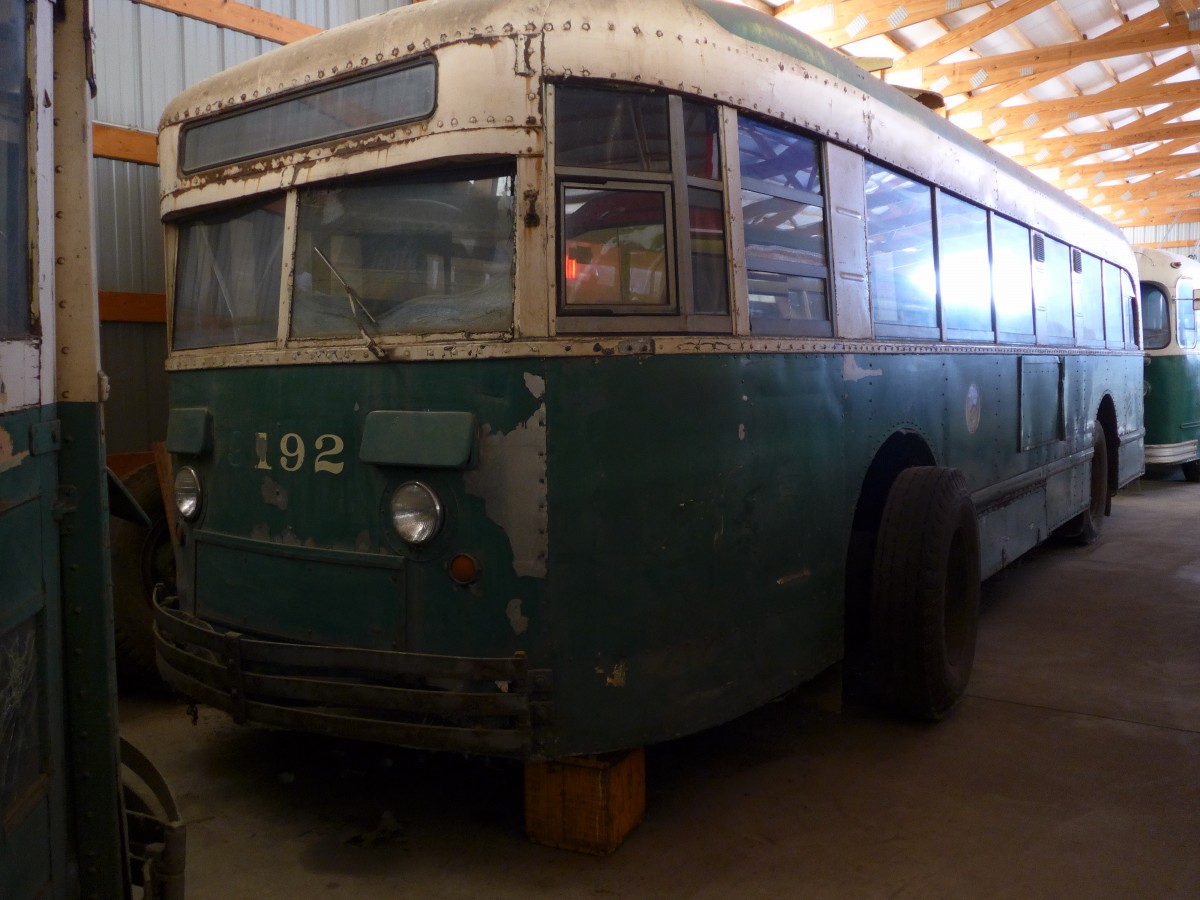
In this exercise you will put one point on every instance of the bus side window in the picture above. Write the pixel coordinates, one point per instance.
(1089, 299)
(1156, 316)
(641, 211)
(1012, 280)
(1113, 320)
(963, 269)
(1053, 317)
(1132, 323)
(900, 252)
(783, 221)
(1185, 314)
(14, 306)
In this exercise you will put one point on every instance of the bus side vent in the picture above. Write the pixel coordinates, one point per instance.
(1076, 261)
(1039, 247)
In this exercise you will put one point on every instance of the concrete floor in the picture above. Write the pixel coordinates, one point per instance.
(1071, 769)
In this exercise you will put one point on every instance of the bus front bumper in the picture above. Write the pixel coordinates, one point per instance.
(486, 706)
(1172, 454)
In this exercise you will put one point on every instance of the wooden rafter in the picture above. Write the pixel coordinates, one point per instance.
(964, 77)
(841, 22)
(963, 37)
(1031, 120)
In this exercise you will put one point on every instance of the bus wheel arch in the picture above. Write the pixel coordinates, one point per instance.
(925, 593)
(1106, 416)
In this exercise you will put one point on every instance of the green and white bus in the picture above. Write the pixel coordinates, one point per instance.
(1172, 377)
(549, 379)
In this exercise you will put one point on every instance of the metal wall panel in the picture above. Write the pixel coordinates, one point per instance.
(132, 356)
(1153, 235)
(129, 239)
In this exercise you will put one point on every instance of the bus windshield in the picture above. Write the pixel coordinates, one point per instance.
(413, 257)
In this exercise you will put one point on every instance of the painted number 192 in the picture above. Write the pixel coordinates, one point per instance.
(292, 453)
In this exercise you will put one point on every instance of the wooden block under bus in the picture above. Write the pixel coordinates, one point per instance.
(585, 803)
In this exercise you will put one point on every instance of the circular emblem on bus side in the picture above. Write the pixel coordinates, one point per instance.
(973, 412)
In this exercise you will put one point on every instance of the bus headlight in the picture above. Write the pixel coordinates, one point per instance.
(416, 512)
(187, 492)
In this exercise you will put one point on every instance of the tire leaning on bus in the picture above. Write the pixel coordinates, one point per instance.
(141, 558)
(925, 592)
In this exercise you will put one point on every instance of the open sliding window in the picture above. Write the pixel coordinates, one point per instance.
(641, 234)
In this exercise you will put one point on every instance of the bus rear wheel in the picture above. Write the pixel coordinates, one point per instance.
(1090, 522)
(1191, 471)
(925, 592)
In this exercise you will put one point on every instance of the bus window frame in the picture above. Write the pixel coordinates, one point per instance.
(785, 327)
(962, 335)
(932, 333)
(680, 315)
(1012, 337)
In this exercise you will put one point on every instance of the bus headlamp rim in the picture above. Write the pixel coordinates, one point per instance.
(188, 498)
(423, 519)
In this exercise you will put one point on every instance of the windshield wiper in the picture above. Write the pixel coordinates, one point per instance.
(357, 309)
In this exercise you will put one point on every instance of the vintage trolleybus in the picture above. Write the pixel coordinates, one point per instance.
(551, 378)
(1172, 385)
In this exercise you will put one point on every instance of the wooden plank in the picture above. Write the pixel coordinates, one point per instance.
(129, 306)
(126, 144)
(238, 17)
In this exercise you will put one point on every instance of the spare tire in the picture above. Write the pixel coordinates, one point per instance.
(141, 558)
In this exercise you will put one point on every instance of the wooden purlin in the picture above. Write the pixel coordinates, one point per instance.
(238, 17)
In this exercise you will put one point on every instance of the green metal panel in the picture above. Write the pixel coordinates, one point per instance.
(33, 841)
(1172, 389)
(665, 535)
(418, 438)
(189, 431)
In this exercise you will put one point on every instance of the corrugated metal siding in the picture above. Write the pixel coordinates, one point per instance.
(132, 355)
(129, 238)
(1153, 235)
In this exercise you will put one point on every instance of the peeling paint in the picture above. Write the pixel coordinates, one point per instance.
(9, 459)
(794, 576)
(536, 385)
(511, 480)
(273, 494)
(617, 678)
(520, 623)
(851, 371)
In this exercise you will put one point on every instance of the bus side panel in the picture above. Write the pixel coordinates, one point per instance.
(1172, 389)
(698, 520)
(31, 755)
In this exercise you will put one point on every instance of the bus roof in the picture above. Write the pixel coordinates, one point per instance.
(772, 62)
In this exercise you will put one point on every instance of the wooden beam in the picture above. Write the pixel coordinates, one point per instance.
(965, 35)
(1078, 146)
(1031, 120)
(841, 22)
(130, 306)
(127, 144)
(967, 76)
(238, 17)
